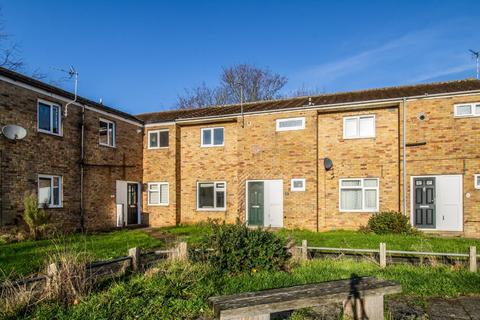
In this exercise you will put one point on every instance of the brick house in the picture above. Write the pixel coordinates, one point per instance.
(49, 160)
(319, 163)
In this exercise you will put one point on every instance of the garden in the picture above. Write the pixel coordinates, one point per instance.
(223, 259)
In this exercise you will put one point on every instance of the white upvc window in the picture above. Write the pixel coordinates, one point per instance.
(212, 137)
(297, 185)
(106, 133)
(358, 127)
(50, 189)
(467, 110)
(157, 194)
(49, 117)
(158, 139)
(359, 195)
(290, 124)
(476, 181)
(212, 196)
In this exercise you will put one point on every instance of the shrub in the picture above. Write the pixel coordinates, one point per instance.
(389, 222)
(237, 248)
(37, 219)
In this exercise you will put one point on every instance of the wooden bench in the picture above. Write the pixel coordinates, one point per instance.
(362, 298)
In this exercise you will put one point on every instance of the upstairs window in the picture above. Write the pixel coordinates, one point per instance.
(359, 127)
(158, 139)
(211, 196)
(359, 195)
(467, 110)
(107, 133)
(49, 117)
(290, 124)
(49, 191)
(158, 194)
(212, 137)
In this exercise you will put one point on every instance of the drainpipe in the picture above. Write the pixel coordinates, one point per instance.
(82, 159)
(405, 156)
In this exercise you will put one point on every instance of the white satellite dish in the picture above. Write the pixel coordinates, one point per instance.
(14, 132)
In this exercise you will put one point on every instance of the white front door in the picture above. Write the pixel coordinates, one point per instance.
(449, 203)
(274, 203)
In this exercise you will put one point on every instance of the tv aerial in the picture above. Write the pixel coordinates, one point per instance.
(14, 132)
(476, 56)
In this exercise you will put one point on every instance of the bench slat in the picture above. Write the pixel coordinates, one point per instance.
(296, 297)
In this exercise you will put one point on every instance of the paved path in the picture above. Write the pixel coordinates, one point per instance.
(462, 308)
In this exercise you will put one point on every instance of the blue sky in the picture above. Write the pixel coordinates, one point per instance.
(139, 55)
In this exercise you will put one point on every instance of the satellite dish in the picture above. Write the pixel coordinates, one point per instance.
(14, 132)
(327, 163)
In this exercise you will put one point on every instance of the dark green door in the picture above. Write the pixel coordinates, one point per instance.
(255, 203)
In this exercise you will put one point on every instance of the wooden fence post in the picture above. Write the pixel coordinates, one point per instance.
(182, 251)
(304, 250)
(473, 258)
(134, 253)
(383, 254)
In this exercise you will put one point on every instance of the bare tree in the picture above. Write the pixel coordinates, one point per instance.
(243, 80)
(9, 51)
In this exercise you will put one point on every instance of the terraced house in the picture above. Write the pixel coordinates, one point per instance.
(320, 163)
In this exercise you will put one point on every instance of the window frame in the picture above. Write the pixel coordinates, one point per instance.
(295, 189)
(363, 188)
(51, 105)
(301, 127)
(473, 108)
(211, 145)
(159, 204)
(357, 118)
(476, 181)
(114, 140)
(157, 132)
(214, 208)
(60, 191)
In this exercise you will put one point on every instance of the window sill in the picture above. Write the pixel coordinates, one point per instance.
(107, 145)
(59, 135)
(467, 116)
(50, 207)
(359, 211)
(158, 205)
(211, 210)
(158, 148)
(358, 138)
(213, 146)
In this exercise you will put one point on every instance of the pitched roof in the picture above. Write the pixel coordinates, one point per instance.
(55, 90)
(318, 101)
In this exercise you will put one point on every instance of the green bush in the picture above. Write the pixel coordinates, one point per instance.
(235, 248)
(37, 219)
(389, 222)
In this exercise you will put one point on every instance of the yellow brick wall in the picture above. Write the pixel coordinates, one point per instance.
(159, 165)
(452, 147)
(357, 158)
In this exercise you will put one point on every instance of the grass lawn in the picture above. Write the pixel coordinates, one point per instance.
(23, 258)
(349, 239)
(181, 291)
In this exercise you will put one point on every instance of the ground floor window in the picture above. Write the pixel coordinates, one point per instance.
(49, 191)
(157, 193)
(211, 195)
(359, 194)
(477, 181)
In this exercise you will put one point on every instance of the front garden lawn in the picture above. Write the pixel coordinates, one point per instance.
(181, 291)
(348, 239)
(26, 257)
